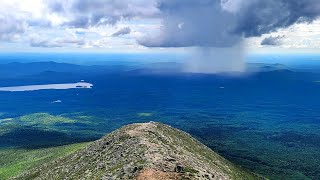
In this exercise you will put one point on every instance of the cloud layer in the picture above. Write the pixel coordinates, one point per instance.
(151, 23)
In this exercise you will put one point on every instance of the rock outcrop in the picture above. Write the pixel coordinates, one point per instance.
(143, 151)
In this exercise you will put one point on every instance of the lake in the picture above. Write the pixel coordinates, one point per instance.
(77, 85)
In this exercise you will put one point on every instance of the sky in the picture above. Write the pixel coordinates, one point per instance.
(175, 26)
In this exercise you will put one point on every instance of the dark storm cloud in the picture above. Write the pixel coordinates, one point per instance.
(224, 23)
(272, 41)
(218, 28)
(257, 17)
(122, 31)
(193, 23)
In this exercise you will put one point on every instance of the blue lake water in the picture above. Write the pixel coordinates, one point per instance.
(47, 87)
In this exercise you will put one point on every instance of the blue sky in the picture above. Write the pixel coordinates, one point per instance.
(160, 26)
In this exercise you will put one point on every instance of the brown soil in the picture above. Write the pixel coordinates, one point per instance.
(151, 174)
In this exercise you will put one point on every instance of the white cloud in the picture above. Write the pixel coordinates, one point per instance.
(86, 13)
(69, 39)
(12, 24)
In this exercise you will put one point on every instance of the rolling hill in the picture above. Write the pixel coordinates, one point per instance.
(142, 151)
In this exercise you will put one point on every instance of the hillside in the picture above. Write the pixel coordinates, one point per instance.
(142, 151)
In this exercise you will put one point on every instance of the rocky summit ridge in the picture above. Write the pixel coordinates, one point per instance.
(143, 151)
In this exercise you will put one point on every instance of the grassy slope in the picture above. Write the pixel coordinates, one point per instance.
(15, 161)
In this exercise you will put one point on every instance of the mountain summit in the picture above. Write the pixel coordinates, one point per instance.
(142, 151)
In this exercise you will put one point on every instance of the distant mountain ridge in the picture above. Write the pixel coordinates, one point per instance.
(18, 69)
(33, 68)
(142, 151)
